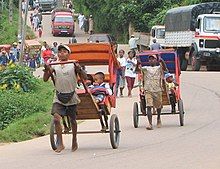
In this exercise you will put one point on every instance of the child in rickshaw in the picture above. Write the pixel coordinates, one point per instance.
(152, 85)
(100, 89)
(171, 85)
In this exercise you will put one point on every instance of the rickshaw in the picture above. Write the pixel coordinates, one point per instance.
(33, 48)
(172, 62)
(93, 54)
(6, 47)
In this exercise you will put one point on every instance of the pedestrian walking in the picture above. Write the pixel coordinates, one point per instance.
(40, 31)
(91, 23)
(86, 25)
(155, 45)
(130, 73)
(120, 79)
(65, 83)
(81, 20)
(152, 86)
(133, 43)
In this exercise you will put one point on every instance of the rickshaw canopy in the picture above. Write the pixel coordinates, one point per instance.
(89, 54)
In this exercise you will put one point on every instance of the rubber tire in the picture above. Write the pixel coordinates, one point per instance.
(183, 64)
(135, 115)
(181, 112)
(195, 63)
(114, 131)
(53, 138)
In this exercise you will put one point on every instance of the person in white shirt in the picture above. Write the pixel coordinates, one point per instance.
(81, 18)
(120, 79)
(130, 73)
(133, 43)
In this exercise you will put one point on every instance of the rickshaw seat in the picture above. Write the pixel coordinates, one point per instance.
(87, 108)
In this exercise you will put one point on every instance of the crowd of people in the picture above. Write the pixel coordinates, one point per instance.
(36, 21)
(86, 23)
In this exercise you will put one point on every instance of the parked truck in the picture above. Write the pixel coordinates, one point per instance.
(194, 31)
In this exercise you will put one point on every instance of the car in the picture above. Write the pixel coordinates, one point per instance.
(104, 37)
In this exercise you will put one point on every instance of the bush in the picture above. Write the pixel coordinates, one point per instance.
(18, 78)
(17, 105)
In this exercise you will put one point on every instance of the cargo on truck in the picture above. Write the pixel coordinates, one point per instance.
(194, 31)
(62, 22)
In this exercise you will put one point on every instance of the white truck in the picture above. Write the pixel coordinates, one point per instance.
(146, 39)
(194, 31)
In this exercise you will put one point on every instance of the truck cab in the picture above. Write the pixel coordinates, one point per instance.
(207, 34)
(158, 33)
(207, 39)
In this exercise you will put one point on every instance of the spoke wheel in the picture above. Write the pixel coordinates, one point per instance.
(53, 136)
(181, 112)
(114, 131)
(135, 115)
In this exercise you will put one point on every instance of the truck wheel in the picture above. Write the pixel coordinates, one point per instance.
(195, 63)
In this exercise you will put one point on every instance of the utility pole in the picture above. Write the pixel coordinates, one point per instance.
(10, 12)
(2, 5)
(20, 19)
(23, 35)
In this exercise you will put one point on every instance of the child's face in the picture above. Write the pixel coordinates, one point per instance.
(98, 79)
(121, 53)
(169, 79)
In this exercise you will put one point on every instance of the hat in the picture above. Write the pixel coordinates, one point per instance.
(154, 56)
(64, 47)
(15, 43)
(132, 35)
(168, 75)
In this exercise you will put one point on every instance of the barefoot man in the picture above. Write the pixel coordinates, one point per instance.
(65, 100)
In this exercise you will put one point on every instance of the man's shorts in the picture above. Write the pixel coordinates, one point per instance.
(64, 110)
(154, 99)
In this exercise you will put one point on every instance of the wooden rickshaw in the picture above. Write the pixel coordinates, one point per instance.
(33, 48)
(92, 54)
(172, 62)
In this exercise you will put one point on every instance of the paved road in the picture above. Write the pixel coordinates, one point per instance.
(193, 146)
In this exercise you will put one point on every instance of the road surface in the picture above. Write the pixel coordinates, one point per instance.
(193, 146)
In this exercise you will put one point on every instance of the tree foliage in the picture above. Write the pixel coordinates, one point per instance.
(114, 16)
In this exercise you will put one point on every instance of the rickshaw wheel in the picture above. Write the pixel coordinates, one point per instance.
(114, 131)
(53, 137)
(181, 112)
(135, 115)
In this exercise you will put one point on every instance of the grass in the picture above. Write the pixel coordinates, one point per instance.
(34, 125)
